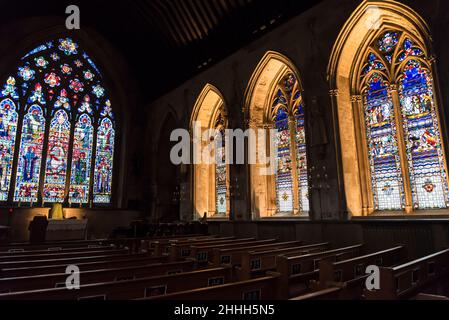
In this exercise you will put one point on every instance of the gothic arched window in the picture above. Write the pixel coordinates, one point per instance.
(406, 157)
(211, 185)
(55, 110)
(220, 167)
(291, 176)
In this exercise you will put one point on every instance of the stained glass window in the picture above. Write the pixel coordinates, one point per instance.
(401, 60)
(220, 173)
(30, 155)
(289, 123)
(284, 181)
(104, 162)
(423, 139)
(55, 83)
(8, 128)
(81, 159)
(301, 158)
(383, 151)
(57, 152)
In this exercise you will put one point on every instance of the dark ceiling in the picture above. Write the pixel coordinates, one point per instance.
(184, 36)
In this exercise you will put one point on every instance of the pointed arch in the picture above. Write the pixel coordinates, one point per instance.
(64, 129)
(369, 61)
(274, 100)
(208, 122)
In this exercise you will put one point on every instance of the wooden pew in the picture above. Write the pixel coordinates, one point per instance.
(297, 270)
(58, 249)
(350, 274)
(205, 253)
(179, 250)
(25, 246)
(47, 281)
(332, 293)
(130, 289)
(265, 288)
(133, 260)
(67, 261)
(257, 263)
(162, 246)
(408, 279)
(62, 255)
(233, 256)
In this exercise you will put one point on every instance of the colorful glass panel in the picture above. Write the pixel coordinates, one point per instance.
(425, 155)
(104, 162)
(388, 42)
(301, 160)
(81, 160)
(284, 181)
(57, 151)
(30, 156)
(56, 79)
(384, 158)
(8, 129)
(220, 173)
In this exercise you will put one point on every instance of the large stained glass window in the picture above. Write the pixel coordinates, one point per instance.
(8, 128)
(291, 154)
(52, 106)
(400, 110)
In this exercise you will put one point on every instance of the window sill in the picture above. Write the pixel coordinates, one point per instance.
(285, 217)
(441, 214)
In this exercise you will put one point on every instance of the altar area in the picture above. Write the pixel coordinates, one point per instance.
(66, 229)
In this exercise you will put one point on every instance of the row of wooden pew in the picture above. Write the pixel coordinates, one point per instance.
(205, 267)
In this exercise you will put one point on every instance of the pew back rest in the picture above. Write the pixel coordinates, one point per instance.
(264, 288)
(353, 268)
(130, 289)
(405, 280)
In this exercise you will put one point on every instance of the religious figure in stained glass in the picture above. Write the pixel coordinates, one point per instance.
(396, 60)
(81, 159)
(8, 128)
(104, 162)
(56, 167)
(30, 155)
(56, 82)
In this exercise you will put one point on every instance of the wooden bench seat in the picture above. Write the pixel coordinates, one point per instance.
(130, 289)
(351, 274)
(67, 261)
(63, 255)
(48, 281)
(179, 250)
(325, 294)
(265, 288)
(233, 256)
(163, 246)
(132, 260)
(257, 263)
(342, 271)
(408, 279)
(57, 249)
(297, 271)
(205, 253)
